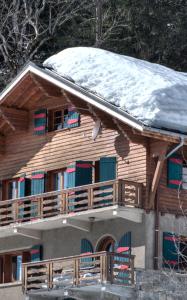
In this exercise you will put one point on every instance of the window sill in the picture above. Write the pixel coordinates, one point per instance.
(10, 284)
(57, 130)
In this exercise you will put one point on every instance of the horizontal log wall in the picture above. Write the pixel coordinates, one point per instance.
(170, 200)
(26, 152)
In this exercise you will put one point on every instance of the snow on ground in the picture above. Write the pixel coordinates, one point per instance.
(152, 93)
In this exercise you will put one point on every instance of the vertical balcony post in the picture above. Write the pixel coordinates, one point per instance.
(41, 206)
(15, 210)
(90, 197)
(103, 268)
(119, 192)
(132, 270)
(63, 203)
(50, 275)
(76, 272)
(24, 280)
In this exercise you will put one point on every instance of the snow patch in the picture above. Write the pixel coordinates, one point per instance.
(152, 93)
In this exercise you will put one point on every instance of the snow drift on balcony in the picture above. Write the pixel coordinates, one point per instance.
(152, 93)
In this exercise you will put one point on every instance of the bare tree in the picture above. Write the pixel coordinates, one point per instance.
(110, 20)
(27, 25)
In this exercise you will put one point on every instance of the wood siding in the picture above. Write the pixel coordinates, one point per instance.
(26, 152)
(170, 200)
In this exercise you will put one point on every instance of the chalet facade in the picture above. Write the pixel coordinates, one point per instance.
(89, 196)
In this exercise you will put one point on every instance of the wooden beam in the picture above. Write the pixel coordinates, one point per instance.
(17, 118)
(33, 93)
(157, 174)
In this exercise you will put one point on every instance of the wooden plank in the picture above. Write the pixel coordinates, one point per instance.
(157, 174)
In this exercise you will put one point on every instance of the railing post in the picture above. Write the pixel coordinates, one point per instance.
(119, 192)
(132, 270)
(24, 279)
(103, 268)
(63, 203)
(90, 197)
(50, 275)
(15, 208)
(41, 207)
(76, 272)
(115, 188)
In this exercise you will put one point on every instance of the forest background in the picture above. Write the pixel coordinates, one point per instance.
(32, 30)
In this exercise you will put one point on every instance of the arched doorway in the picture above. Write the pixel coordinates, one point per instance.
(107, 243)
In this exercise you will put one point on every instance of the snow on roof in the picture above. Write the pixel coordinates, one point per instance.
(153, 94)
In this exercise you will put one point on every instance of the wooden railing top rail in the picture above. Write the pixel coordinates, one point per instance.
(75, 189)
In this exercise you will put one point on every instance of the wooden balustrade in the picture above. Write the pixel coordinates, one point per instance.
(92, 196)
(81, 270)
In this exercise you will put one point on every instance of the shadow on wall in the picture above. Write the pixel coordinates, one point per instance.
(122, 146)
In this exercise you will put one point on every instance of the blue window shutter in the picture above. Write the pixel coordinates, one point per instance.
(21, 186)
(174, 166)
(124, 247)
(107, 168)
(40, 121)
(72, 119)
(107, 171)
(23, 190)
(36, 253)
(37, 187)
(19, 268)
(38, 183)
(86, 247)
(170, 249)
(77, 174)
(83, 172)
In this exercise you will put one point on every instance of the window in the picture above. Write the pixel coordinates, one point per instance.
(62, 118)
(55, 180)
(10, 189)
(59, 116)
(11, 266)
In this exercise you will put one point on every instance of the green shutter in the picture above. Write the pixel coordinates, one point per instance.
(36, 253)
(23, 190)
(77, 174)
(72, 119)
(175, 164)
(107, 168)
(40, 121)
(37, 187)
(86, 248)
(107, 171)
(124, 247)
(170, 250)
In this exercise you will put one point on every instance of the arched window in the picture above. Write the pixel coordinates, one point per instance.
(107, 243)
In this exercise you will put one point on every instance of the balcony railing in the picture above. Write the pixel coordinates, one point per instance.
(82, 270)
(70, 201)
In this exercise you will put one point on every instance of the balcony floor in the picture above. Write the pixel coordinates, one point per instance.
(108, 291)
(80, 220)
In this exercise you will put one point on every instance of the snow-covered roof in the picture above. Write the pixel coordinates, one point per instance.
(153, 94)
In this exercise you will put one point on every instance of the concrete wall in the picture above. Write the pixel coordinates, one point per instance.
(67, 241)
(11, 292)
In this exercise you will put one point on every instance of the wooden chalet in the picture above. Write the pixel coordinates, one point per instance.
(89, 195)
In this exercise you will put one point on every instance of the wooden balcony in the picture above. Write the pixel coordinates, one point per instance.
(82, 270)
(71, 201)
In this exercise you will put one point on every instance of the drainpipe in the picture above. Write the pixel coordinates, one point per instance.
(157, 221)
